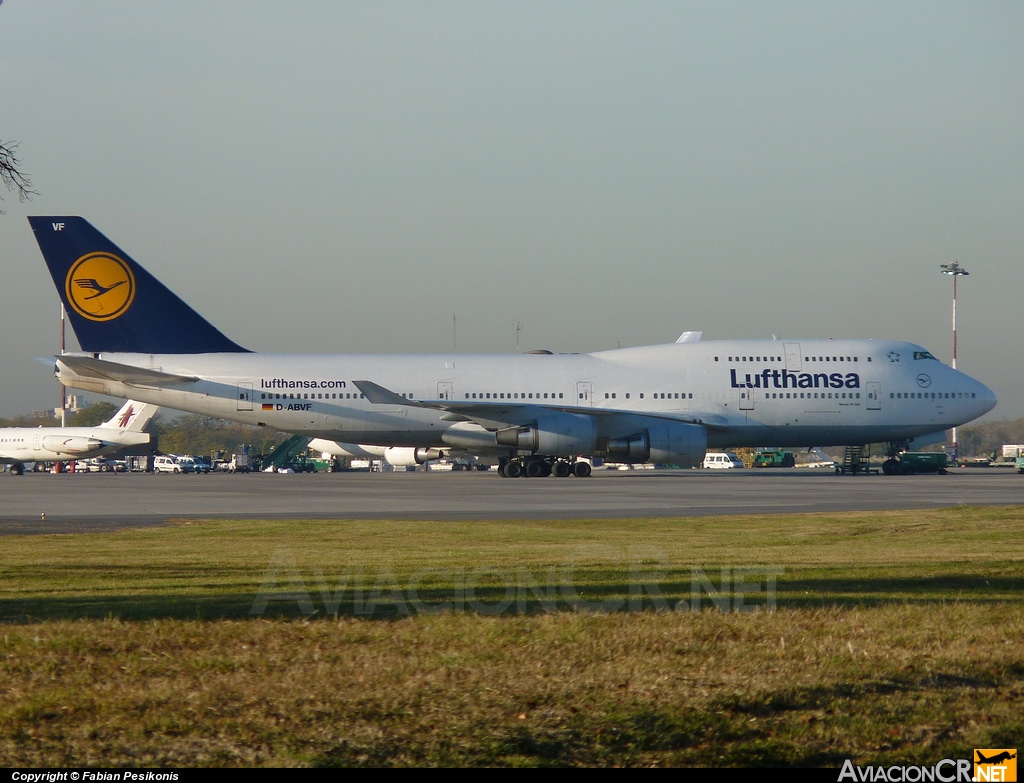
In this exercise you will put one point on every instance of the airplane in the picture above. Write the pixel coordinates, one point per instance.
(999, 757)
(19, 445)
(398, 456)
(538, 412)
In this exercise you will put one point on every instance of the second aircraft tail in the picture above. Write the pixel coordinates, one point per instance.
(132, 416)
(113, 303)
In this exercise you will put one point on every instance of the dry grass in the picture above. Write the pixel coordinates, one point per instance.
(897, 637)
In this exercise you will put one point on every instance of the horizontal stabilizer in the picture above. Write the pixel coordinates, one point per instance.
(87, 367)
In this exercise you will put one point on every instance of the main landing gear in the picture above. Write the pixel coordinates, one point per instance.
(541, 467)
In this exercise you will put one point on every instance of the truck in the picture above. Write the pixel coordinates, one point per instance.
(774, 459)
(240, 463)
(917, 462)
(1018, 459)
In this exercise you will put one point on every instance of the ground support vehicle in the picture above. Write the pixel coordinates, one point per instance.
(240, 463)
(916, 462)
(774, 459)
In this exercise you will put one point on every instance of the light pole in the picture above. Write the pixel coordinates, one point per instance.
(954, 270)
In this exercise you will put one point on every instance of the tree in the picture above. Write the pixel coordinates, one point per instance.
(11, 173)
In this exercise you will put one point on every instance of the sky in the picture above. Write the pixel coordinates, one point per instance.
(409, 176)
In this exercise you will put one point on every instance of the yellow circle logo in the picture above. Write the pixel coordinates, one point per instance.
(100, 286)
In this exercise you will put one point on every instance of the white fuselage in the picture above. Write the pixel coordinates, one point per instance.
(745, 392)
(57, 444)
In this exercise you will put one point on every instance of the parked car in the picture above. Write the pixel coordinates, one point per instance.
(95, 465)
(193, 465)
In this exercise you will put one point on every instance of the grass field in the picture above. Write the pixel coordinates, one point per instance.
(891, 637)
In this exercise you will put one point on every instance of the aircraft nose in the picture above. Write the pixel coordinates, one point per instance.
(986, 399)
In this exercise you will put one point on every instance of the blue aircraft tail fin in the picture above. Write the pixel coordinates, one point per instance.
(113, 303)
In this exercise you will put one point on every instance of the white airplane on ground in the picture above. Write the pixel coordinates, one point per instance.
(396, 456)
(19, 445)
(539, 412)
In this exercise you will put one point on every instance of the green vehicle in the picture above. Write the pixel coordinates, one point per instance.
(301, 465)
(774, 459)
(916, 462)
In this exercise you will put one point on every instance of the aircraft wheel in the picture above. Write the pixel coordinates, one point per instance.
(581, 470)
(535, 469)
(561, 469)
(891, 467)
(17, 469)
(513, 470)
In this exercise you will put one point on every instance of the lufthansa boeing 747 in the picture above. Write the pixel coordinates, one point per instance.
(537, 412)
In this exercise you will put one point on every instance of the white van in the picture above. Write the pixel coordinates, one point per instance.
(166, 464)
(721, 460)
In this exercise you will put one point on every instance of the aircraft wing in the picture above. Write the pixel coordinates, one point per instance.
(492, 414)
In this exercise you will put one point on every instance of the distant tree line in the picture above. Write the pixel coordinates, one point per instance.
(203, 435)
(186, 434)
(979, 440)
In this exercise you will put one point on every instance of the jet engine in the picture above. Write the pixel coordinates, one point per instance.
(404, 457)
(561, 435)
(75, 445)
(672, 443)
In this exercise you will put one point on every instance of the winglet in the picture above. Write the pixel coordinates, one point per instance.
(378, 395)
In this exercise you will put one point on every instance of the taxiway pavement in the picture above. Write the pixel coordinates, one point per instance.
(68, 503)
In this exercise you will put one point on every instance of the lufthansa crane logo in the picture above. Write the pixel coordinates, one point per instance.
(100, 286)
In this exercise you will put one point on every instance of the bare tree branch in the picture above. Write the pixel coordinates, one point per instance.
(10, 171)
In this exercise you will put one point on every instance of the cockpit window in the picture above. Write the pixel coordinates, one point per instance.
(923, 355)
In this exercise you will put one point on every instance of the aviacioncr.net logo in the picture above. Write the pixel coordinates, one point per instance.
(100, 286)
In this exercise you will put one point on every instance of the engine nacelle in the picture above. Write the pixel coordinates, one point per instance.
(561, 435)
(406, 457)
(672, 443)
(469, 435)
(678, 444)
(74, 445)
